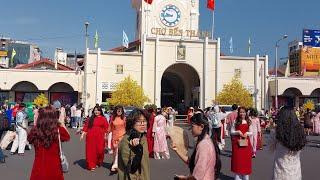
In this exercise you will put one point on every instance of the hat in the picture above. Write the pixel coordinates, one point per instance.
(180, 138)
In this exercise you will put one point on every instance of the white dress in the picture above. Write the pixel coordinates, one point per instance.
(287, 164)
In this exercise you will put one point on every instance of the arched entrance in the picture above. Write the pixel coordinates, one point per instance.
(25, 91)
(63, 92)
(180, 87)
(290, 97)
(61, 87)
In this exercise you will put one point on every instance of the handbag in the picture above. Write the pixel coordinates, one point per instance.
(243, 142)
(64, 161)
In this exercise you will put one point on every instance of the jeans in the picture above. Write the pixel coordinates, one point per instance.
(1, 155)
(73, 122)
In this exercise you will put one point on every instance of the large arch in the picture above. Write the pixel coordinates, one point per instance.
(24, 86)
(63, 92)
(25, 91)
(60, 87)
(180, 86)
(315, 93)
(291, 97)
(292, 92)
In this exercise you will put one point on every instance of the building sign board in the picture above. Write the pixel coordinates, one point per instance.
(311, 38)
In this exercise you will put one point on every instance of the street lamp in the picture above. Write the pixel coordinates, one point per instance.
(86, 24)
(276, 74)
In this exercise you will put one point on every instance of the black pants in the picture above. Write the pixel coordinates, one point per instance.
(1, 132)
(216, 134)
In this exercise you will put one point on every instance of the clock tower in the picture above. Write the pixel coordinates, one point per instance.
(167, 18)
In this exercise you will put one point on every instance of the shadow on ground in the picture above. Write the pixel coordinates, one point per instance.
(82, 163)
(225, 177)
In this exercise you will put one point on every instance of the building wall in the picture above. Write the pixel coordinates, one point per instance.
(42, 79)
(253, 75)
(305, 85)
(149, 18)
(157, 56)
(162, 53)
(107, 71)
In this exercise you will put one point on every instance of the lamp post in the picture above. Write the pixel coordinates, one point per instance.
(86, 24)
(276, 73)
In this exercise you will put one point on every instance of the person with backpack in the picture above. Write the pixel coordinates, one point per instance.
(204, 163)
(215, 117)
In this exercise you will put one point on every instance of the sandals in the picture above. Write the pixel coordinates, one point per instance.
(92, 169)
(113, 171)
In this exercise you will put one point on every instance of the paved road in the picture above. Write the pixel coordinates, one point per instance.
(19, 168)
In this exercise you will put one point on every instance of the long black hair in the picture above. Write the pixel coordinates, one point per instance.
(93, 116)
(239, 120)
(289, 131)
(114, 113)
(199, 119)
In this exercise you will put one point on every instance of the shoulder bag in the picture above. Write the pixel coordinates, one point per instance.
(243, 142)
(64, 161)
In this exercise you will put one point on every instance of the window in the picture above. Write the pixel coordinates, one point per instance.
(119, 69)
(237, 73)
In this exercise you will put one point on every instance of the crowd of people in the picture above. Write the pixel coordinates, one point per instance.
(143, 134)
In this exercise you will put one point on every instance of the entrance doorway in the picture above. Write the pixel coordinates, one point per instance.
(180, 87)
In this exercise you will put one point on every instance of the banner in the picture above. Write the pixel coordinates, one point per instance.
(310, 59)
(311, 38)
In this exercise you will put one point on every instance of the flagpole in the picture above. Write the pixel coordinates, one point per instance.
(212, 28)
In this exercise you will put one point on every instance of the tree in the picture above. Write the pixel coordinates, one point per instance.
(41, 100)
(309, 105)
(235, 93)
(128, 93)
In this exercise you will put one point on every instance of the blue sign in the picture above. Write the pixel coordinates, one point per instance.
(311, 38)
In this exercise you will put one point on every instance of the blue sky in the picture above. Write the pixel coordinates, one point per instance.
(60, 23)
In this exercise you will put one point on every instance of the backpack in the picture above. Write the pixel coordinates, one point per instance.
(214, 119)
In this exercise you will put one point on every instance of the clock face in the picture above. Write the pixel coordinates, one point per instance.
(170, 15)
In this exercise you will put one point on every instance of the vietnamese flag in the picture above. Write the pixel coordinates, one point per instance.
(148, 1)
(210, 4)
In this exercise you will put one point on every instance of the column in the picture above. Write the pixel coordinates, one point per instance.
(256, 81)
(266, 83)
(157, 82)
(204, 69)
(143, 43)
(98, 83)
(217, 68)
